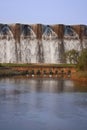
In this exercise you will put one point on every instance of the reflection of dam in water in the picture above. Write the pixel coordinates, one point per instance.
(39, 43)
(42, 104)
(30, 85)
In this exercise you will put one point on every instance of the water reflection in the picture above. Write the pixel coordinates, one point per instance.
(42, 104)
(17, 86)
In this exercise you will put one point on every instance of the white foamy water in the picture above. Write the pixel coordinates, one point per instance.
(30, 49)
(50, 45)
(7, 46)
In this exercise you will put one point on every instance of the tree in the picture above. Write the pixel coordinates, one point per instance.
(72, 56)
(82, 60)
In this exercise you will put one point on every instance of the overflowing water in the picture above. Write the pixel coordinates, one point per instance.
(7, 46)
(50, 48)
(50, 45)
(42, 104)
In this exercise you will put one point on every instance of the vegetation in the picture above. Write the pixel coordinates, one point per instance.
(75, 59)
(7, 65)
(13, 65)
(72, 56)
(82, 60)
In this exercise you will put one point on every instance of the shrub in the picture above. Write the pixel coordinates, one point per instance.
(72, 56)
(82, 60)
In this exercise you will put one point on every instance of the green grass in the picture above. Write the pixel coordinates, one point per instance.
(34, 64)
(13, 65)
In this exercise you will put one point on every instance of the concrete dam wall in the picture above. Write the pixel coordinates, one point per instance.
(37, 43)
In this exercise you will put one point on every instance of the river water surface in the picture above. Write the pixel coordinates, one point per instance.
(42, 104)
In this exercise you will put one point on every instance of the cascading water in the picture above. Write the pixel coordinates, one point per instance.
(71, 40)
(29, 46)
(50, 46)
(84, 41)
(39, 44)
(7, 46)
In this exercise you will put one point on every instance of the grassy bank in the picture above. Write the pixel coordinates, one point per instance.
(7, 69)
(26, 69)
(35, 64)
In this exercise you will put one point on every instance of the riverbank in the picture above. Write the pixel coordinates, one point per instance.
(80, 76)
(43, 71)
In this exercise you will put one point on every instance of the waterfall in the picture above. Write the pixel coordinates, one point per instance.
(29, 51)
(71, 40)
(84, 43)
(7, 46)
(21, 43)
(50, 46)
(28, 46)
(72, 44)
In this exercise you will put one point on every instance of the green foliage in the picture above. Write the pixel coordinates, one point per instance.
(8, 65)
(82, 60)
(72, 56)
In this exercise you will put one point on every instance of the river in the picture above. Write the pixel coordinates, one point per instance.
(42, 104)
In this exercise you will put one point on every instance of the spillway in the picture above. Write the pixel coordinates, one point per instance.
(20, 43)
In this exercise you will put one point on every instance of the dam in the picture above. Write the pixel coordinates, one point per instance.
(37, 43)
